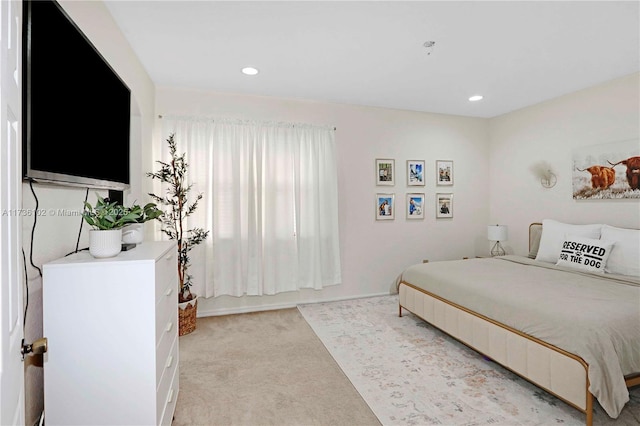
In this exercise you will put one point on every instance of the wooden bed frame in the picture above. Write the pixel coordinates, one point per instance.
(555, 370)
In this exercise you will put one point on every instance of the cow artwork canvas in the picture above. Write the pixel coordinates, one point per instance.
(607, 171)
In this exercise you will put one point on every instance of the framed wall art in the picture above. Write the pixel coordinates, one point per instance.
(415, 173)
(385, 207)
(444, 205)
(415, 206)
(444, 172)
(607, 171)
(385, 169)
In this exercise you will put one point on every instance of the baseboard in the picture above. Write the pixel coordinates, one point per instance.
(274, 306)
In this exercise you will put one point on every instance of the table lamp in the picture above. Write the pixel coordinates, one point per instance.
(497, 233)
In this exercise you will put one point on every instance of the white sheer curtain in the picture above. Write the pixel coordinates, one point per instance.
(270, 201)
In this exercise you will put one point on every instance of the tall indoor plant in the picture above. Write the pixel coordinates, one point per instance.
(178, 209)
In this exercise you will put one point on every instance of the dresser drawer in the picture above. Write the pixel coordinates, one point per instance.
(165, 358)
(166, 327)
(172, 399)
(166, 274)
(164, 390)
(166, 313)
(168, 297)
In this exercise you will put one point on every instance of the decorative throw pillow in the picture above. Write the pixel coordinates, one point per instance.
(585, 254)
(625, 254)
(553, 233)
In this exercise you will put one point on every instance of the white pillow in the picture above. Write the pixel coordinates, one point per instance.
(553, 233)
(585, 254)
(625, 256)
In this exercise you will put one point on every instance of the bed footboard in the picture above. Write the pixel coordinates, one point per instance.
(552, 369)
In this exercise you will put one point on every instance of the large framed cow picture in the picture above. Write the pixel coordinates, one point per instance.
(607, 171)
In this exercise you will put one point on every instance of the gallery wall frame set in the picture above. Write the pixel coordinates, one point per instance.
(414, 203)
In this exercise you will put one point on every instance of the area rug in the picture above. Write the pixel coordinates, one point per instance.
(410, 373)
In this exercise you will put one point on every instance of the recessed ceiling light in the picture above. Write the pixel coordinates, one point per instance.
(475, 98)
(249, 71)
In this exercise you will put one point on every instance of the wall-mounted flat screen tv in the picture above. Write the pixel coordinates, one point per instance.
(76, 109)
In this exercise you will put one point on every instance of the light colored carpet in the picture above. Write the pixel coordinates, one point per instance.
(412, 374)
(265, 368)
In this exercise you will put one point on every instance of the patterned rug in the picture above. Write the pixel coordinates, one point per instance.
(412, 374)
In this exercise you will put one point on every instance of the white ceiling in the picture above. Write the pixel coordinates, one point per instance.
(515, 53)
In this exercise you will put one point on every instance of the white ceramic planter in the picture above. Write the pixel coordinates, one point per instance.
(133, 234)
(105, 243)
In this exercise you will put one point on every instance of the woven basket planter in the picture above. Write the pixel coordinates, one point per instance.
(187, 316)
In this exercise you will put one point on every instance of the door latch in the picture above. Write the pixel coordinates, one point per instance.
(36, 348)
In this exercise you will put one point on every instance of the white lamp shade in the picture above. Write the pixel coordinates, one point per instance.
(497, 233)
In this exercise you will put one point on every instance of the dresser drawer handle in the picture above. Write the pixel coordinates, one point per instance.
(169, 361)
(169, 291)
(169, 326)
(169, 257)
(170, 398)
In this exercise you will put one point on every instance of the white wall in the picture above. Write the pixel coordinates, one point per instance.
(549, 131)
(373, 253)
(55, 233)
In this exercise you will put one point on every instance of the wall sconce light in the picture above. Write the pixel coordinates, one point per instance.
(542, 170)
(497, 233)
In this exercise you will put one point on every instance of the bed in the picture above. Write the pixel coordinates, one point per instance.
(573, 332)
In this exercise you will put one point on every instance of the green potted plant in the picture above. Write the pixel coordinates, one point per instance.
(178, 209)
(107, 220)
(133, 233)
(110, 222)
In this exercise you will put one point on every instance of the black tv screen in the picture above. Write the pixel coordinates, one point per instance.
(76, 109)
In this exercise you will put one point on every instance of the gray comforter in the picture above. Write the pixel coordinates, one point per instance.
(594, 316)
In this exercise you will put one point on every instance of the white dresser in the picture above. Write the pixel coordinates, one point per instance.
(112, 330)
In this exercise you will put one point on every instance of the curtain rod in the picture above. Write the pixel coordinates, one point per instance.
(160, 116)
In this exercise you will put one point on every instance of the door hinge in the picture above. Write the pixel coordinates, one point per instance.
(36, 348)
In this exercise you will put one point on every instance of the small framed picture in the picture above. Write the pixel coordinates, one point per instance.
(415, 173)
(415, 206)
(385, 207)
(385, 169)
(444, 205)
(444, 172)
